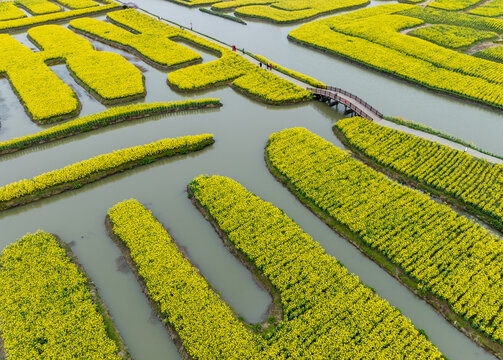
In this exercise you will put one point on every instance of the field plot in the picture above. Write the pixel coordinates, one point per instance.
(100, 120)
(38, 7)
(45, 11)
(453, 4)
(9, 11)
(230, 68)
(453, 37)
(373, 38)
(277, 11)
(49, 308)
(27, 72)
(75, 175)
(475, 182)
(444, 253)
(326, 311)
(108, 76)
(492, 8)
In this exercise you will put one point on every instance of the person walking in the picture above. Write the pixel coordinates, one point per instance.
(260, 64)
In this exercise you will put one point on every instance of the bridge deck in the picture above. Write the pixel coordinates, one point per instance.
(353, 102)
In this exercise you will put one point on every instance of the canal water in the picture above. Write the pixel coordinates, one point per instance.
(241, 128)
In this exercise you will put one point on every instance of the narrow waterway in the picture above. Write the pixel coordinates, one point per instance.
(241, 128)
(464, 119)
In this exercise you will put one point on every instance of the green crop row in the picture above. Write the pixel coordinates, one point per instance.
(108, 117)
(452, 36)
(27, 190)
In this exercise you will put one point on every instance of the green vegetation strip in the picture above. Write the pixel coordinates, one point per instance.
(18, 24)
(327, 311)
(473, 183)
(452, 5)
(75, 175)
(429, 130)
(103, 119)
(454, 37)
(225, 16)
(294, 74)
(452, 262)
(49, 307)
(491, 8)
(437, 16)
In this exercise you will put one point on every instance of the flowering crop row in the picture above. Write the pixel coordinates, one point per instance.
(371, 37)
(78, 4)
(66, 178)
(328, 313)
(27, 22)
(285, 11)
(45, 96)
(107, 75)
(296, 75)
(438, 16)
(452, 257)
(9, 11)
(46, 307)
(453, 4)
(474, 181)
(162, 51)
(229, 68)
(493, 53)
(491, 8)
(205, 324)
(38, 7)
(452, 36)
(232, 4)
(191, 3)
(108, 117)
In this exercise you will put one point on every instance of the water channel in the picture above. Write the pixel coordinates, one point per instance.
(241, 128)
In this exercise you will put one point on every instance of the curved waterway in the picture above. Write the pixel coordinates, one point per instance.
(241, 128)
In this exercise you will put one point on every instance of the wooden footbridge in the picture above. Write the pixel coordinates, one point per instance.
(352, 104)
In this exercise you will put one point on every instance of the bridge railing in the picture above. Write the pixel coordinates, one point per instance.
(352, 96)
(332, 95)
